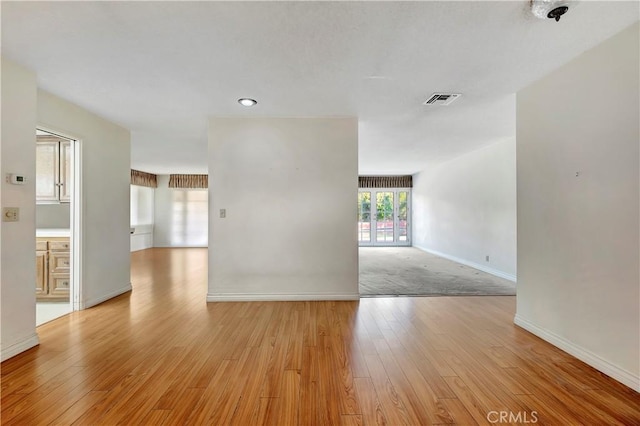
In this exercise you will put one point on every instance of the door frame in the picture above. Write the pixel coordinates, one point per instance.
(373, 223)
(75, 218)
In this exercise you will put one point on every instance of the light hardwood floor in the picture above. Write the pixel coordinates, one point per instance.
(161, 355)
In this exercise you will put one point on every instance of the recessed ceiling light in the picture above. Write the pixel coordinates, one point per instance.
(247, 102)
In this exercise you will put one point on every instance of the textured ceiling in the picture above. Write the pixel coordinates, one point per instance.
(161, 68)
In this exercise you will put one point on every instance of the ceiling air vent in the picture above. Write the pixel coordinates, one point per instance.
(442, 98)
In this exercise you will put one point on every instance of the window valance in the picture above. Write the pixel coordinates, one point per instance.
(404, 181)
(144, 179)
(189, 181)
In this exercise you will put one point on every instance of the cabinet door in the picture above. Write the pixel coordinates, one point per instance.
(41, 274)
(59, 285)
(59, 262)
(47, 167)
(65, 171)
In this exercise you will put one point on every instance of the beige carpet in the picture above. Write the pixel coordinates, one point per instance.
(409, 271)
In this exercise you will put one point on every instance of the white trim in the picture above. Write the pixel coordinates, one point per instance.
(75, 216)
(277, 297)
(179, 247)
(95, 301)
(474, 265)
(625, 377)
(19, 347)
(76, 227)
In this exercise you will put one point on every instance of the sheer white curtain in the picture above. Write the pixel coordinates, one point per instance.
(189, 217)
(142, 198)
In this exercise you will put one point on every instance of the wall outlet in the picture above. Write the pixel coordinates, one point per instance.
(486, 258)
(10, 214)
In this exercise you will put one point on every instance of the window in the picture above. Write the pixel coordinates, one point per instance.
(384, 216)
(190, 217)
(142, 198)
(364, 216)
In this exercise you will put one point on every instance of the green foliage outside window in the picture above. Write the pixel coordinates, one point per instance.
(384, 205)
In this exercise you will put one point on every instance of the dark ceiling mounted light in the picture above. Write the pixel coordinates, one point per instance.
(550, 9)
(557, 12)
(247, 102)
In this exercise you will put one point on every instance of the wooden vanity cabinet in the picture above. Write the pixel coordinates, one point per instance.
(53, 266)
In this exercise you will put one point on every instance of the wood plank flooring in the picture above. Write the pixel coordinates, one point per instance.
(162, 356)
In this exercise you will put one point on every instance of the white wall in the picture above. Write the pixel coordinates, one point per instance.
(53, 216)
(18, 271)
(181, 216)
(142, 238)
(104, 180)
(289, 187)
(465, 209)
(578, 216)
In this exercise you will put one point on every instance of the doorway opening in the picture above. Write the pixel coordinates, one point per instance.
(384, 217)
(57, 218)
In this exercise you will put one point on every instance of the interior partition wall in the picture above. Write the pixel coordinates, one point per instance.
(384, 213)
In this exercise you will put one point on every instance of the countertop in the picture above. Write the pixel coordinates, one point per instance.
(53, 232)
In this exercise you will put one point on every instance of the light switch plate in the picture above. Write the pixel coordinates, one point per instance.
(223, 213)
(15, 179)
(10, 214)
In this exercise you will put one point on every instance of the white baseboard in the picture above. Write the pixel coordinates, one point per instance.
(166, 246)
(600, 364)
(276, 297)
(133, 250)
(19, 347)
(473, 265)
(97, 300)
(138, 247)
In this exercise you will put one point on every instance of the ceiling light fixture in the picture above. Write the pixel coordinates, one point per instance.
(247, 102)
(550, 9)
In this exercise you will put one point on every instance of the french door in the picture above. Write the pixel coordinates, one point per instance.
(384, 216)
